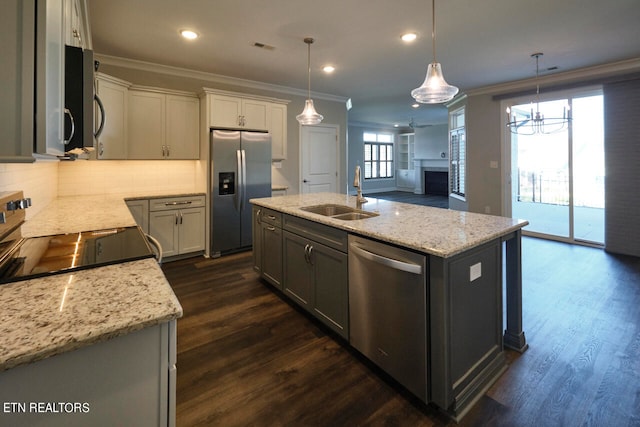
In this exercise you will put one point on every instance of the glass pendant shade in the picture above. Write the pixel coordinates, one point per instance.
(309, 115)
(434, 89)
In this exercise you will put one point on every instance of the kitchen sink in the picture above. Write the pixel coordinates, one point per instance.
(355, 215)
(342, 212)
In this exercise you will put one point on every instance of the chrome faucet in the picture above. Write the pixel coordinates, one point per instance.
(357, 182)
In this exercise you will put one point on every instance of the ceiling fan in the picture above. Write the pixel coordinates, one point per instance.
(414, 125)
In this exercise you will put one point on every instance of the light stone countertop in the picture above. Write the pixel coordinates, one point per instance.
(435, 231)
(46, 316)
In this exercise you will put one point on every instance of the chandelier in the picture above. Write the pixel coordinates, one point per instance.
(434, 89)
(535, 122)
(309, 116)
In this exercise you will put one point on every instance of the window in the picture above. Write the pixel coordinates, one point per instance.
(378, 155)
(458, 152)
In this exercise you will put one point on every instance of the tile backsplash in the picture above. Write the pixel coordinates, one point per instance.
(45, 180)
(129, 177)
(38, 180)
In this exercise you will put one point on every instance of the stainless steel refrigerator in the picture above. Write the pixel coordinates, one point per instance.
(240, 170)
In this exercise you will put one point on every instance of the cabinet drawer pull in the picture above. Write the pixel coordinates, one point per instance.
(271, 217)
(177, 203)
(271, 228)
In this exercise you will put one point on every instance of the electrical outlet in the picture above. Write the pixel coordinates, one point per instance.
(487, 209)
(475, 271)
(493, 164)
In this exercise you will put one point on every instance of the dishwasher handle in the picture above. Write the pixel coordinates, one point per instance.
(409, 267)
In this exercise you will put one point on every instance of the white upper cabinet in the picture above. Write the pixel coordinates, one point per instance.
(183, 127)
(278, 130)
(146, 131)
(236, 112)
(112, 141)
(16, 103)
(50, 110)
(74, 32)
(255, 114)
(163, 125)
(241, 111)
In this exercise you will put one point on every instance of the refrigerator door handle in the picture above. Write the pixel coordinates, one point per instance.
(238, 181)
(243, 156)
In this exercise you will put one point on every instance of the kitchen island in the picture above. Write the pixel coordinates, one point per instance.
(463, 282)
(88, 347)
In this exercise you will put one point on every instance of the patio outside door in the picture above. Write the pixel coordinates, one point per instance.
(558, 179)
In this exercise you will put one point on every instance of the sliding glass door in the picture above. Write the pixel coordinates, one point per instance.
(558, 179)
(588, 169)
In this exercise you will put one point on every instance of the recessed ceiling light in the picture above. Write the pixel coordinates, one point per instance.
(395, 125)
(188, 34)
(416, 105)
(329, 69)
(409, 37)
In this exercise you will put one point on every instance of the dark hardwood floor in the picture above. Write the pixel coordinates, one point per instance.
(248, 358)
(416, 199)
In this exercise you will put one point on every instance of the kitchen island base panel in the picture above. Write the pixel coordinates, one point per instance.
(470, 395)
(465, 310)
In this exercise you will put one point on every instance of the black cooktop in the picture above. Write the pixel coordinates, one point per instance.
(62, 253)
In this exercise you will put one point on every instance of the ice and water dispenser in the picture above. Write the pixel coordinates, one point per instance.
(226, 183)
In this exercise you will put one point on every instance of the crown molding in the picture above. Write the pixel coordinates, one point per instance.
(582, 74)
(211, 77)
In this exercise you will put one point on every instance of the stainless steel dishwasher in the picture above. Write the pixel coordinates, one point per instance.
(388, 310)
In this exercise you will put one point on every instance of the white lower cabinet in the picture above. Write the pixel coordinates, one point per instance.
(178, 223)
(124, 381)
(139, 208)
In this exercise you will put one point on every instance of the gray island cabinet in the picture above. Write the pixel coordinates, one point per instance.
(461, 280)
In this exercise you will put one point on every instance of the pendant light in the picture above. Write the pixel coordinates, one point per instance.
(434, 89)
(309, 116)
(535, 122)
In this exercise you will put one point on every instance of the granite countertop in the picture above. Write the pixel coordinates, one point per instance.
(163, 196)
(72, 214)
(46, 316)
(435, 231)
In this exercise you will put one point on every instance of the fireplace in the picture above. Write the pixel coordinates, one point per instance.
(436, 183)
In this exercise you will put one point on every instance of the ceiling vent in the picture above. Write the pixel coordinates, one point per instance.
(264, 46)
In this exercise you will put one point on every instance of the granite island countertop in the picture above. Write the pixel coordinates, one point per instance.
(46, 316)
(435, 231)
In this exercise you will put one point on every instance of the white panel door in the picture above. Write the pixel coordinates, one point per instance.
(319, 159)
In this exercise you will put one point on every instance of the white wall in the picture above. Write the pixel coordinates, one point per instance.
(431, 141)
